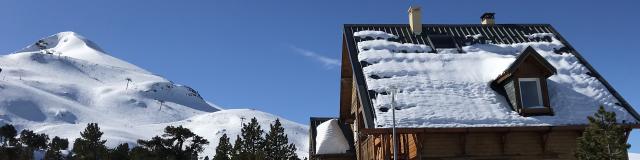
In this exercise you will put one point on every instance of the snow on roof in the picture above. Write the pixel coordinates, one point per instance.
(374, 34)
(451, 89)
(330, 139)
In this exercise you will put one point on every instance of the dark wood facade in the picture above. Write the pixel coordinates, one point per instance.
(503, 143)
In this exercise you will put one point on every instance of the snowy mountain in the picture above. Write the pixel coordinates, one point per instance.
(73, 82)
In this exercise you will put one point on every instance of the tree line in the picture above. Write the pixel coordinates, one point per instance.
(176, 143)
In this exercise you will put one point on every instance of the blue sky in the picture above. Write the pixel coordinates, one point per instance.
(282, 57)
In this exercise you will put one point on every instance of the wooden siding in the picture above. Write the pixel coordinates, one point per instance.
(510, 90)
(556, 145)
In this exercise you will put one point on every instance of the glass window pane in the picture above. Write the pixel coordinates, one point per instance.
(529, 94)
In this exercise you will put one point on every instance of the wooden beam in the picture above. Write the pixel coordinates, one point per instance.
(503, 141)
(515, 156)
(626, 134)
(419, 142)
(482, 129)
(544, 136)
(463, 143)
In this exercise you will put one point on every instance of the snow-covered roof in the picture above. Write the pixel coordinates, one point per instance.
(446, 88)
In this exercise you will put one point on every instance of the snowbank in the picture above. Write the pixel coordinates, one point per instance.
(330, 139)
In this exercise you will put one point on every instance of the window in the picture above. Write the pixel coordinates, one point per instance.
(442, 41)
(530, 93)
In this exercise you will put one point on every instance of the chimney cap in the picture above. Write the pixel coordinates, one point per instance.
(414, 8)
(488, 15)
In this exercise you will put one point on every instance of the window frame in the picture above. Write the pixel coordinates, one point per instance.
(539, 89)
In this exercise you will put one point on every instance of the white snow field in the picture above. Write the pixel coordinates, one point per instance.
(634, 156)
(451, 89)
(79, 83)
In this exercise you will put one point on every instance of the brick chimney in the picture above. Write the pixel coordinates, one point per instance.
(488, 18)
(415, 19)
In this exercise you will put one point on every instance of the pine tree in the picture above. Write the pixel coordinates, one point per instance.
(54, 147)
(277, 144)
(275, 140)
(8, 135)
(121, 152)
(33, 141)
(236, 152)
(172, 144)
(90, 145)
(603, 139)
(196, 146)
(224, 149)
(253, 142)
(291, 152)
(152, 149)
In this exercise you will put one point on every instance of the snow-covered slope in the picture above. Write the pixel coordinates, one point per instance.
(634, 156)
(79, 83)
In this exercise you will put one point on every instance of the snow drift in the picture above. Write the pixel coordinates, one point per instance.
(330, 139)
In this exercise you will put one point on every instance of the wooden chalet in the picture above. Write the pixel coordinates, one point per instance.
(520, 97)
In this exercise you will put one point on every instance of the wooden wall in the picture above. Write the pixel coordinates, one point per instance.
(480, 145)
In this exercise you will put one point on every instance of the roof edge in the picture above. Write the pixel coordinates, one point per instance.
(361, 85)
(596, 74)
(438, 25)
(486, 129)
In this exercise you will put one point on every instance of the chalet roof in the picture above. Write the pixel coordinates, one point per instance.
(530, 52)
(443, 75)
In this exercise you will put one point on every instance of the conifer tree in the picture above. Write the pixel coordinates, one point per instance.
(141, 153)
(8, 135)
(90, 145)
(196, 146)
(33, 141)
(121, 152)
(236, 152)
(603, 139)
(54, 147)
(224, 149)
(153, 149)
(277, 144)
(291, 152)
(252, 140)
(172, 144)
(10, 148)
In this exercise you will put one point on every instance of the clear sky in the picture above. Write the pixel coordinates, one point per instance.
(283, 56)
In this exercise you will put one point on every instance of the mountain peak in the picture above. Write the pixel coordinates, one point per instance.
(74, 45)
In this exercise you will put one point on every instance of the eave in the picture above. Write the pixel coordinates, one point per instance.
(368, 131)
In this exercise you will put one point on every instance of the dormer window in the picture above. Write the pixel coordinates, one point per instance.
(524, 84)
(443, 42)
(530, 93)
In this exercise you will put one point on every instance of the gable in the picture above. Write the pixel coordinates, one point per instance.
(433, 82)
